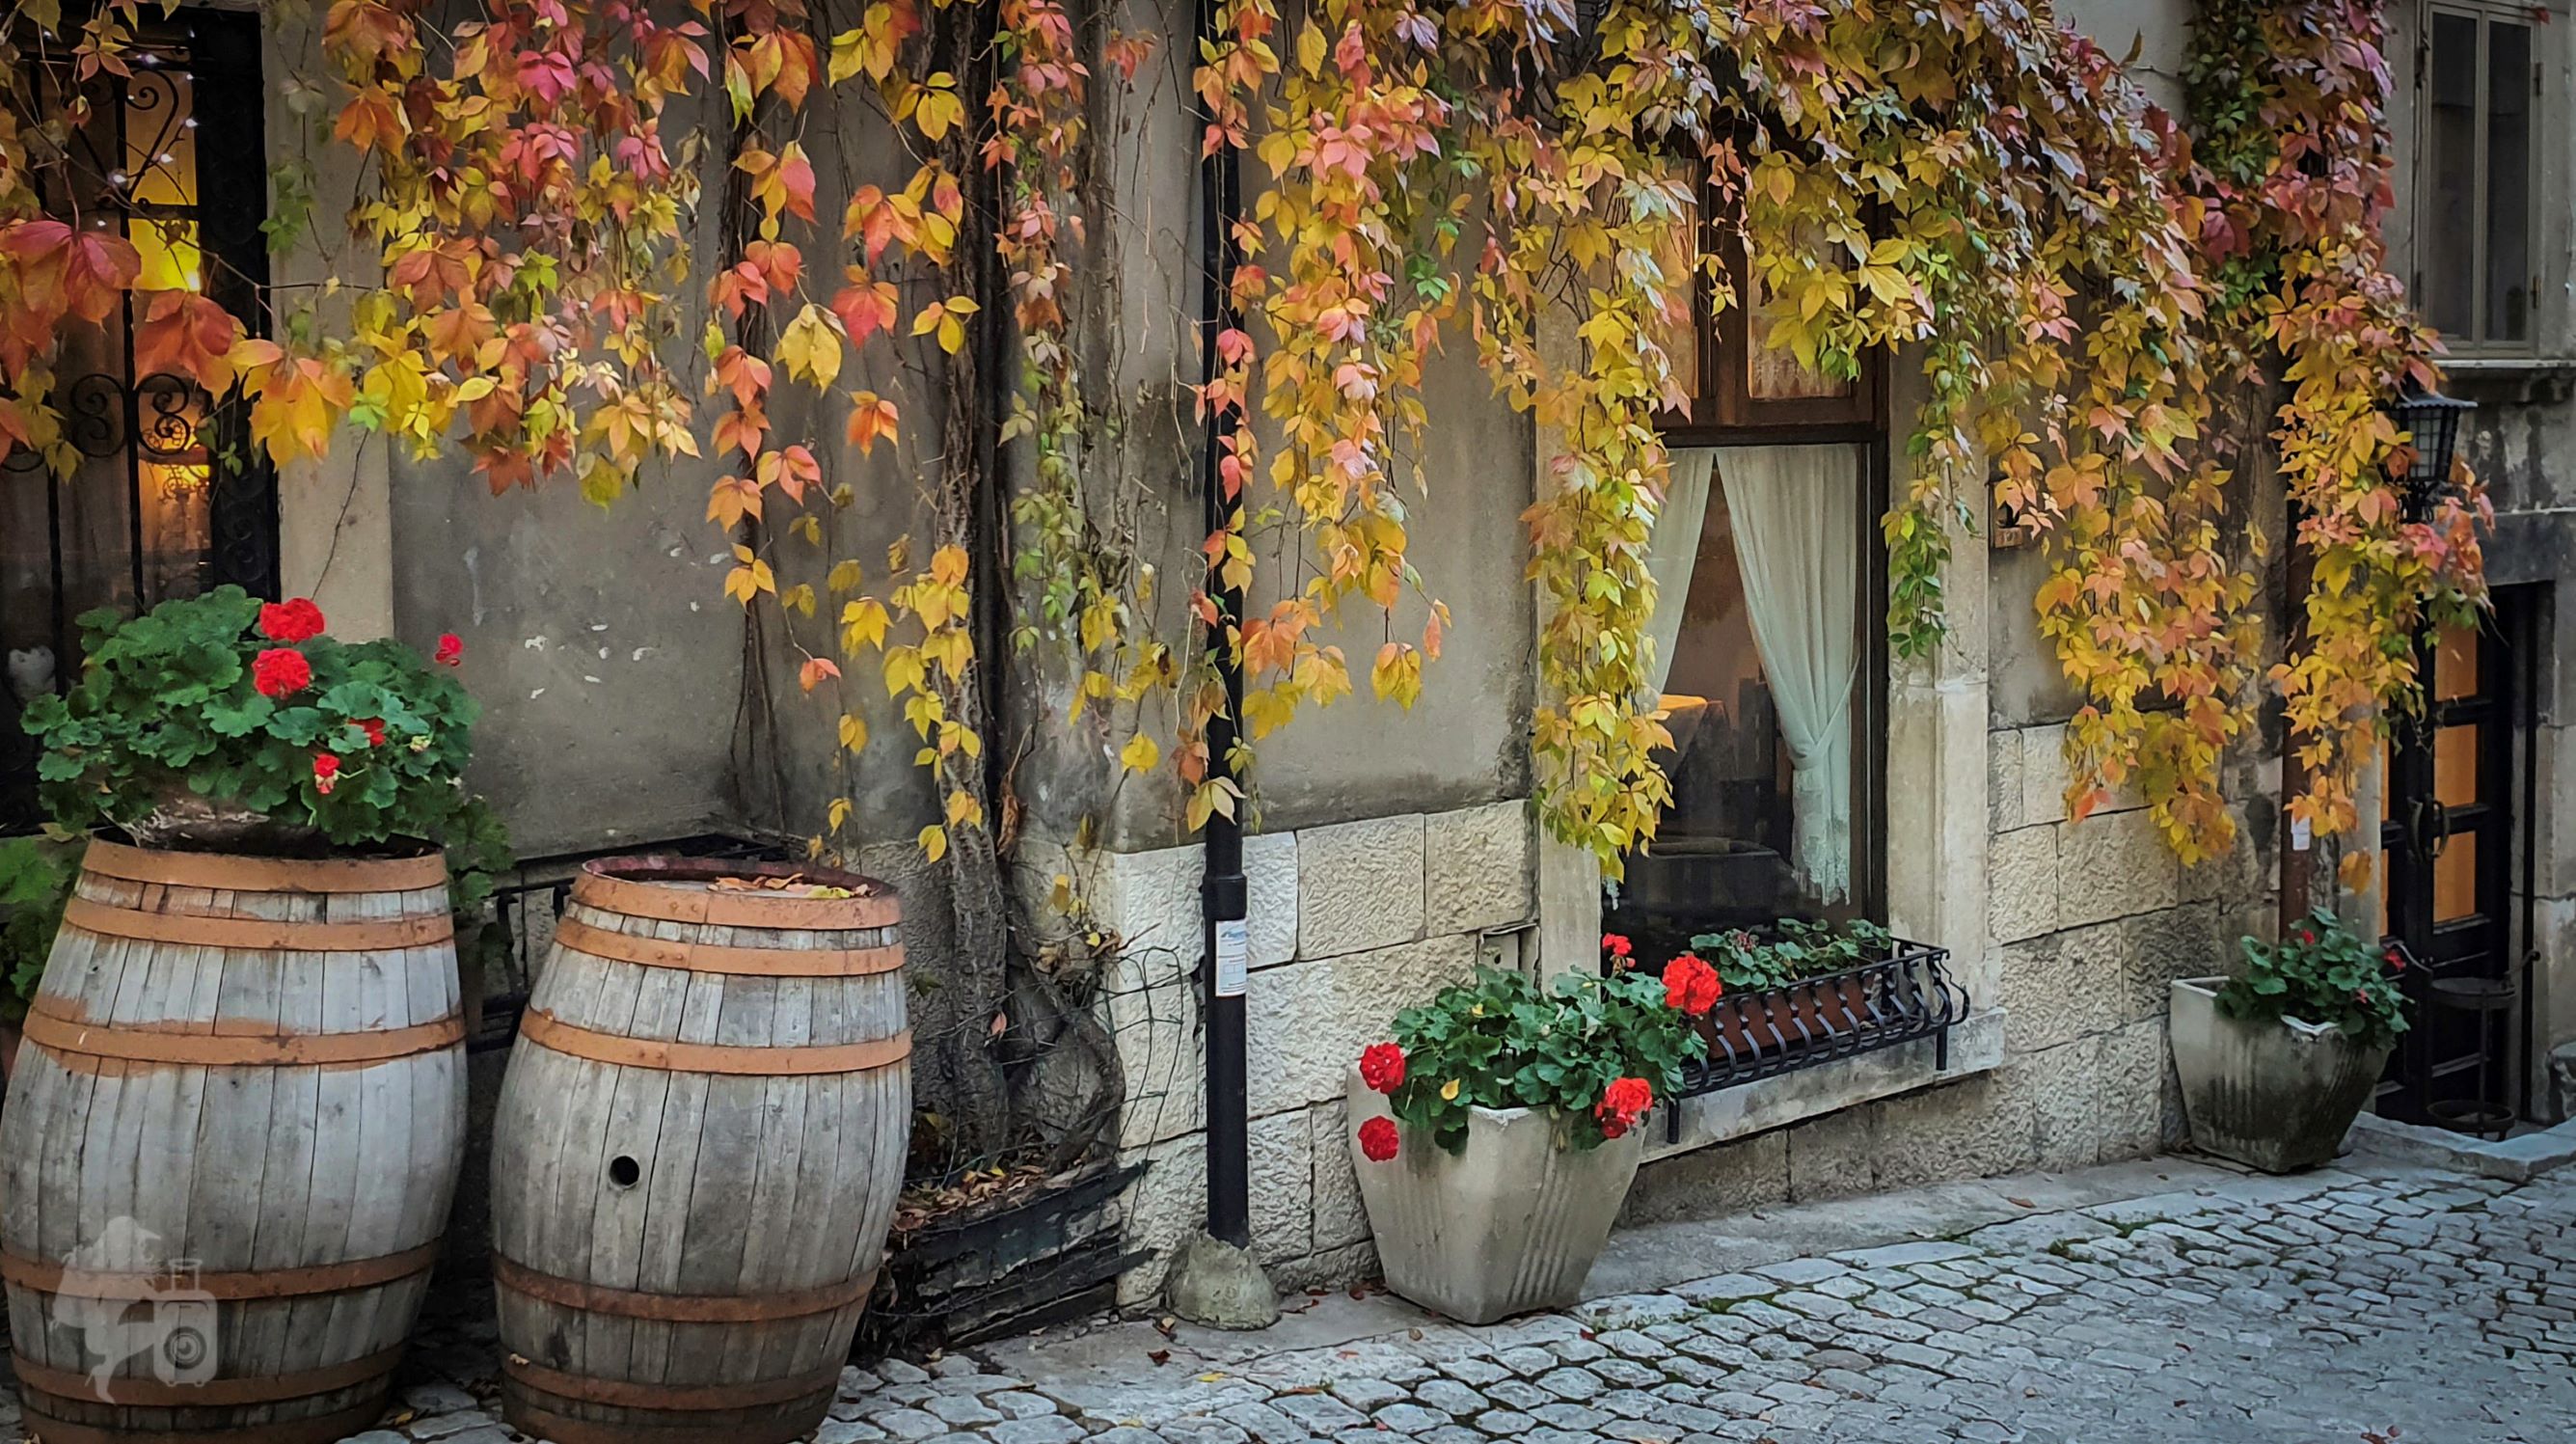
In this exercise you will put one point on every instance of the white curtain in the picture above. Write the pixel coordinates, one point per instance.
(1796, 518)
(1672, 549)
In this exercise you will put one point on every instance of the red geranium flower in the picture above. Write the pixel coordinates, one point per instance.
(293, 620)
(280, 672)
(2307, 936)
(1382, 1067)
(1691, 985)
(1622, 1104)
(451, 650)
(1378, 1139)
(374, 728)
(2396, 960)
(326, 772)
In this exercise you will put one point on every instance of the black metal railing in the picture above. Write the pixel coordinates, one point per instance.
(1758, 1034)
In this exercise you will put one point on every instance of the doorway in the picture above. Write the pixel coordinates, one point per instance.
(152, 490)
(2446, 846)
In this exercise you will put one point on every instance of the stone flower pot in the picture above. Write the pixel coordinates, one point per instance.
(1510, 1225)
(2278, 1096)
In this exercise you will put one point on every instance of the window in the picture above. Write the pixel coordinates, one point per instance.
(2480, 97)
(1772, 663)
(1764, 636)
(154, 490)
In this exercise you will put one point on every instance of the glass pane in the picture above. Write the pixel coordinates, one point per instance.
(1772, 372)
(2509, 106)
(2455, 664)
(2455, 766)
(2455, 879)
(2449, 179)
(1748, 837)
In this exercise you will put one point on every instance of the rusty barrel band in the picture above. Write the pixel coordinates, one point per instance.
(263, 934)
(332, 1278)
(687, 1398)
(145, 1043)
(213, 1393)
(747, 909)
(714, 958)
(795, 1060)
(229, 872)
(566, 1293)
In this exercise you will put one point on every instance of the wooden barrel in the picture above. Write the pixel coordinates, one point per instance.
(230, 1145)
(697, 1152)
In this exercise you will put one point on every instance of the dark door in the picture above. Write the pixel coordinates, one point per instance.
(152, 489)
(2446, 844)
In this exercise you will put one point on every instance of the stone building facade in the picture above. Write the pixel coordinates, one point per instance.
(1394, 851)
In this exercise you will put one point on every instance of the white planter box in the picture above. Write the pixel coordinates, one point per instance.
(1510, 1225)
(2278, 1096)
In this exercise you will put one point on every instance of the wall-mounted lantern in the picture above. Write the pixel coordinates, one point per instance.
(2433, 421)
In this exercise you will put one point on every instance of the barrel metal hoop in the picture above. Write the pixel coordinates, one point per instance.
(689, 1398)
(233, 873)
(163, 1044)
(796, 1060)
(748, 909)
(211, 1394)
(259, 934)
(713, 958)
(680, 1308)
(53, 1278)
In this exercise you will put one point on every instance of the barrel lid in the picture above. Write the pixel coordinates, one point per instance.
(738, 893)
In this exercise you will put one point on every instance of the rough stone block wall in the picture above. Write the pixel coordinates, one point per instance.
(2089, 922)
(1350, 922)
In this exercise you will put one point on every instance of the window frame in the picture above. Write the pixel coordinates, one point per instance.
(1724, 412)
(2426, 198)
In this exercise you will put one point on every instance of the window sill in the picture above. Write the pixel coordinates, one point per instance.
(2511, 380)
(1976, 1046)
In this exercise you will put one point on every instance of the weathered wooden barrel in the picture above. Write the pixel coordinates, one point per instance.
(230, 1145)
(697, 1152)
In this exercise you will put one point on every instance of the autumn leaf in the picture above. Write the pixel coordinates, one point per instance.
(1140, 754)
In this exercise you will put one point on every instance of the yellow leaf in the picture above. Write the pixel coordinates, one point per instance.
(854, 732)
(838, 813)
(963, 808)
(1140, 754)
(934, 843)
(810, 347)
(1449, 1091)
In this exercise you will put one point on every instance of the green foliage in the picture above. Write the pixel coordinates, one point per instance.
(1746, 960)
(2322, 973)
(1500, 1042)
(167, 706)
(36, 874)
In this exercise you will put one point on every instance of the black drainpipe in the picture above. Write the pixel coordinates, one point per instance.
(1223, 893)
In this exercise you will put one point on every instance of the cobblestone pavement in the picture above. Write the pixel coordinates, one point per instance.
(2407, 1306)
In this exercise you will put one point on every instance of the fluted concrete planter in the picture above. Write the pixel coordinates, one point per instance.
(1510, 1225)
(2278, 1096)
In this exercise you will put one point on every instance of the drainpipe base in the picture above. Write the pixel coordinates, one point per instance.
(1221, 1286)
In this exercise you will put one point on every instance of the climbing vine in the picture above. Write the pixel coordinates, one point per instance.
(2290, 100)
(1962, 180)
